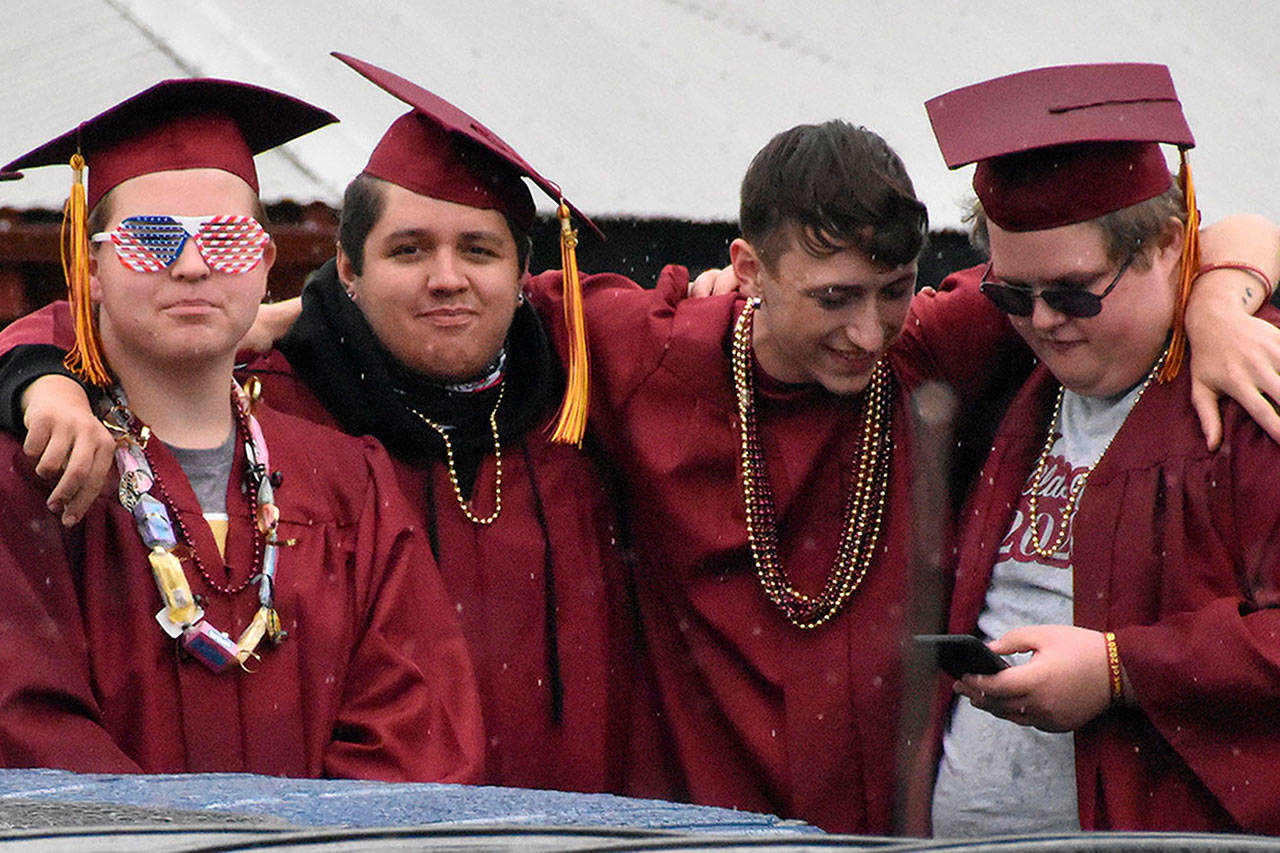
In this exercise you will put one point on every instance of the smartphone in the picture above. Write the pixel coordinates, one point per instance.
(959, 654)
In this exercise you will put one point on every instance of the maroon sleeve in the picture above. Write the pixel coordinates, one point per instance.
(49, 716)
(627, 330)
(283, 390)
(954, 334)
(51, 324)
(410, 710)
(31, 347)
(1209, 678)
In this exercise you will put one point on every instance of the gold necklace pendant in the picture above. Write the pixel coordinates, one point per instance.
(1077, 486)
(864, 507)
(453, 470)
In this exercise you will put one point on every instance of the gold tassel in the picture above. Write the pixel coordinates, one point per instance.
(85, 358)
(571, 422)
(1190, 263)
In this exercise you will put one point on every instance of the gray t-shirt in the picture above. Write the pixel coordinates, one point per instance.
(208, 472)
(997, 777)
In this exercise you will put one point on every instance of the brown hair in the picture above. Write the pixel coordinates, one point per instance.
(832, 186)
(1129, 232)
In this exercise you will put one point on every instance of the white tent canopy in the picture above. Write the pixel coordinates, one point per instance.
(640, 107)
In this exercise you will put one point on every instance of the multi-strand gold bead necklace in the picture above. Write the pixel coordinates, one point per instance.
(864, 509)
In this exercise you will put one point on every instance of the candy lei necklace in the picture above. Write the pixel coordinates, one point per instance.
(864, 508)
(1077, 486)
(181, 617)
(443, 432)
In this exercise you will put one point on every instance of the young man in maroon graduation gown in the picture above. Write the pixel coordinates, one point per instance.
(1154, 701)
(774, 700)
(257, 596)
(420, 320)
(422, 317)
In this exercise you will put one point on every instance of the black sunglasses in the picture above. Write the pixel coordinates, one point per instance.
(1071, 301)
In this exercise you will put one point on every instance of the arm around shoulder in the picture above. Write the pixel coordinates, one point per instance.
(1234, 353)
(628, 328)
(955, 334)
(41, 400)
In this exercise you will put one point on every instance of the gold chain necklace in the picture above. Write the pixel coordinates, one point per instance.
(453, 471)
(1077, 485)
(864, 509)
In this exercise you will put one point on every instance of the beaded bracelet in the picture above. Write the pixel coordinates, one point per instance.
(1113, 664)
(1243, 267)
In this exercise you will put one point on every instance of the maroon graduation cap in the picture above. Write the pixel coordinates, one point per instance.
(187, 123)
(1066, 144)
(437, 150)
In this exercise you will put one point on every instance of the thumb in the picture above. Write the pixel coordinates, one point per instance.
(1017, 640)
(39, 431)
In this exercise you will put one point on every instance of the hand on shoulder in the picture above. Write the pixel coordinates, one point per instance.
(69, 445)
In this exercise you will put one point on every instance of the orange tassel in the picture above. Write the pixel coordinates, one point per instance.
(571, 422)
(85, 358)
(1190, 263)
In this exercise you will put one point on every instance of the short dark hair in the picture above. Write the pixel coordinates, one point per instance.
(834, 186)
(1128, 232)
(362, 205)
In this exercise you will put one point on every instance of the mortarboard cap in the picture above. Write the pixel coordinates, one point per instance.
(1067, 144)
(1056, 146)
(438, 150)
(187, 123)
